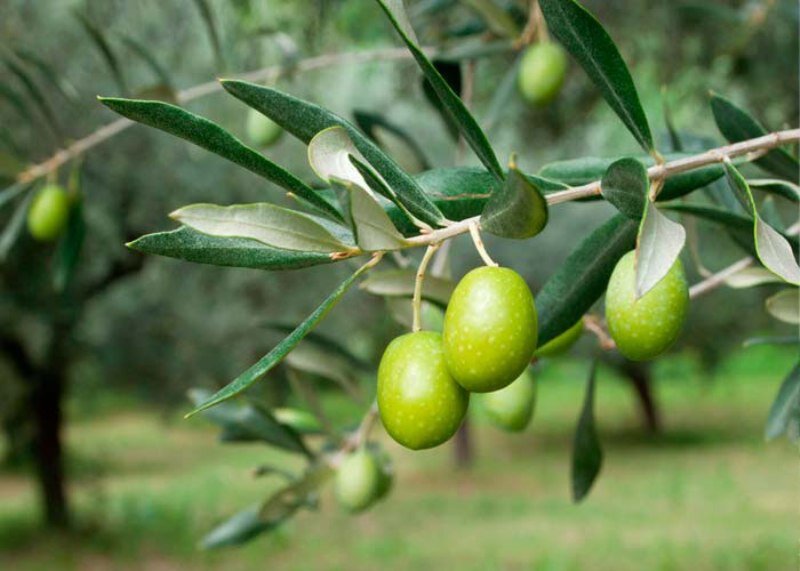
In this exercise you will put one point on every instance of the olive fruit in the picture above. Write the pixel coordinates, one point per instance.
(261, 130)
(511, 408)
(358, 481)
(490, 329)
(644, 328)
(48, 213)
(542, 72)
(299, 420)
(562, 343)
(420, 404)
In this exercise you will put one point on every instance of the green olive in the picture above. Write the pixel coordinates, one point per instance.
(48, 213)
(563, 343)
(646, 327)
(358, 481)
(542, 72)
(300, 420)
(261, 130)
(420, 404)
(511, 408)
(490, 329)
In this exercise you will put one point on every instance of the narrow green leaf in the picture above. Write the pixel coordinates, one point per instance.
(736, 125)
(625, 185)
(237, 530)
(785, 340)
(268, 361)
(13, 191)
(751, 277)
(324, 342)
(772, 248)
(49, 73)
(69, 247)
(450, 71)
(517, 209)
(273, 225)
(36, 95)
(14, 227)
(501, 97)
(588, 42)
(785, 406)
(161, 73)
(296, 495)
(658, 246)
(467, 124)
(372, 227)
(400, 283)
(587, 456)
(323, 362)
(783, 188)
(214, 138)
(785, 306)
(106, 52)
(329, 153)
(192, 246)
(580, 281)
(210, 22)
(304, 120)
(16, 100)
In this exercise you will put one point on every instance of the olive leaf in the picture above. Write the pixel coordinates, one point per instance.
(467, 125)
(588, 42)
(207, 14)
(517, 209)
(276, 355)
(772, 248)
(273, 225)
(304, 120)
(329, 153)
(587, 456)
(785, 306)
(625, 184)
(212, 137)
(193, 246)
(658, 246)
(394, 140)
(100, 41)
(317, 360)
(736, 125)
(497, 18)
(783, 188)
(751, 277)
(14, 227)
(785, 406)
(400, 283)
(69, 247)
(372, 227)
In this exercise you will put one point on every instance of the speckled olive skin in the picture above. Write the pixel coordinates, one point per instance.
(645, 328)
(490, 329)
(48, 213)
(420, 404)
(511, 408)
(261, 130)
(562, 343)
(358, 481)
(542, 72)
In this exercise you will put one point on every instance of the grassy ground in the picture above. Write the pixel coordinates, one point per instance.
(708, 494)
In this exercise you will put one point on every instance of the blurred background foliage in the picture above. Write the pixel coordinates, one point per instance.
(173, 325)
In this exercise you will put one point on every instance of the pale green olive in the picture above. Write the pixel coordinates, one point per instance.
(48, 213)
(358, 481)
(511, 408)
(562, 343)
(542, 72)
(261, 130)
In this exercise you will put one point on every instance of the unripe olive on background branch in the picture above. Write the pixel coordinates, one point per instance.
(542, 72)
(261, 130)
(511, 408)
(48, 213)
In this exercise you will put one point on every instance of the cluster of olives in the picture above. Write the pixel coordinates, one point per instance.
(488, 341)
(48, 213)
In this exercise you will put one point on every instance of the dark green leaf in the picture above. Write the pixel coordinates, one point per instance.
(13, 191)
(214, 138)
(451, 72)
(69, 247)
(326, 363)
(582, 278)
(782, 188)
(502, 95)
(36, 95)
(239, 529)
(14, 227)
(49, 73)
(109, 57)
(304, 120)
(211, 29)
(268, 361)
(400, 283)
(161, 73)
(584, 37)
(587, 456)
(16, 100)
(323, 341)
(785, 406)
(405, 150)
(737, 125)
(517, 209)
(467, 125)
(625, 185)
(192, 246)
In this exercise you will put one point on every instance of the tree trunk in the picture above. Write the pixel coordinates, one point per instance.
(639, 376)
(46, 402)
(462, 450)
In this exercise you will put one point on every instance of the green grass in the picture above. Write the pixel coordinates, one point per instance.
(707, 494)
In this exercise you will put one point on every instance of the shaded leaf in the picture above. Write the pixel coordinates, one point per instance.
(106, 52)
(304, 120)
(268, 361)
(13, 191)
(751, 277)
(736, 125)
(467, 125)
(400, 283)
(325, 363)
(625, 185)
(239, 529)
(69, 247)
(394, 140)
(785, 306)
(783, 188)
(498, 19)
(214, 138)
(323, 341)
(587, 456)
(450, 70)
(785, 405)
(329, 153)
(658, 246)
(14, 227)
(517, 209)
(580, 281)
(584, 37)
(161, 73)
(192, 246)
(372, 227)
(36, 95)
(210, 22)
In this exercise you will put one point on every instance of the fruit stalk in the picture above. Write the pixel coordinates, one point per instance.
(416, 303)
